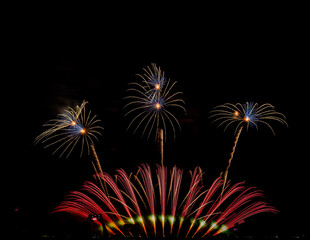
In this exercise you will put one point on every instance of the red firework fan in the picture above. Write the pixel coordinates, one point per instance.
(193, 210)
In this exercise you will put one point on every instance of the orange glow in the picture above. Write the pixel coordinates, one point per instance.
(157, 106)
(83, 131)
(246, 119)
(236, 113)
(157, 86)
(73, 123)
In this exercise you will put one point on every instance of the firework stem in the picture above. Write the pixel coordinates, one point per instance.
(96, 159)
(97, 177)
(97, 167)
(231, 157)
(161, 145)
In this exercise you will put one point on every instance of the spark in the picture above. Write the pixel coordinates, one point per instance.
(131, 221)
(213, 225)
(202, 224)
(140, 219)
(157, 106)
(246, 119)
(171, 219)
(152, 218)
(223, 228)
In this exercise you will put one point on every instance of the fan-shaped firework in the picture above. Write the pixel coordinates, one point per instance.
(152, 102)
(249, 115)
(192, 211)
(69, 129)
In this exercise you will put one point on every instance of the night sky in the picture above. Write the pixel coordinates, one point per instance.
(56, 60)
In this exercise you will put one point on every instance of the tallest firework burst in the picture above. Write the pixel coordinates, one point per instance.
(152, 103)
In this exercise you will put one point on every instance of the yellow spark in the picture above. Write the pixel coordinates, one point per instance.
(157, 106)
(152, 218)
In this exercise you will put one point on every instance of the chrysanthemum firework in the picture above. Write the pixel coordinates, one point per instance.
(152, 102)
(245, 115)
(70, 129)
(186, 208)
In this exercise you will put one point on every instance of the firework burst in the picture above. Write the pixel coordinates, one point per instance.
(192, 210)
(248, 115)
(151, 103)
(70, 129)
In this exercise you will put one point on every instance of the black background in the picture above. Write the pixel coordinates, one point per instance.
(54, 58)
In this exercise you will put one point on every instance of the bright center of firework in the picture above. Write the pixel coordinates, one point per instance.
(213, 225)
(130, 220)
(82, 131)
(171, 219)
(73, 123)
(202, 223)
(111, 225)
(139, 219)
(157, 106)
(246, 119)
(236, 113)
(152, 218)
(120, 222)
(157, 86)
(223, 228)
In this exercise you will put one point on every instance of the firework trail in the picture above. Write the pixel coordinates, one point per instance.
(148, 189)
(190, 197)
(174, 190)
(162, 185)
(214, 187)
(244, 115)
(130, 189)
(151, 103)
(203, 212)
